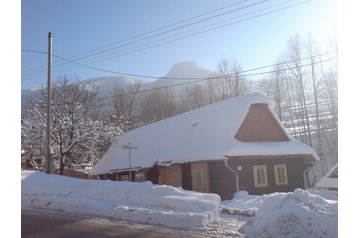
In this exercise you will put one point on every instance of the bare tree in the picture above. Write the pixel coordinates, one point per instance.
(330, 89)
(295, 53)
(32, 145)
(275, 88)
(210, 91)
(192, 98)
(312, 51)
(157, 105)
(78, 132)
(231, 83)
(124, 102)
(304, 93)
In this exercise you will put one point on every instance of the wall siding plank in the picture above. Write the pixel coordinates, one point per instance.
(295, 168)
(222, 180)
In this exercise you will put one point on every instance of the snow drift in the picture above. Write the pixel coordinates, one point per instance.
(143, 202)
(295, 214)
(300, 213)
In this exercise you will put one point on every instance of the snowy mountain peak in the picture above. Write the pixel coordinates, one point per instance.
(106, 84)
(179, 73)
(188, 69)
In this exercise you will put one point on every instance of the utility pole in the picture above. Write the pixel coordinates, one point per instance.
(129, 148)
(48, 145)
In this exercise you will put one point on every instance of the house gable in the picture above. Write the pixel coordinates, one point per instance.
(334, 174)
(330, 180)
(260, 125)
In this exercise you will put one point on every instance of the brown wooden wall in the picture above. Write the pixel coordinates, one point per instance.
(75, 174)
(295, 168)
(186, 176)
(171, 175)
(222, 180)
(260, 125)
(200, 176)
(153, 175)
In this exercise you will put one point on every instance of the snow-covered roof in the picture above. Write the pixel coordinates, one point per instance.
(330, 180)
(291, 147)
(206, 133)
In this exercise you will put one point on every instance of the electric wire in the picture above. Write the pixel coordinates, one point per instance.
(211, 78)
(140, 49)
(215, 77)
(161, 77)
(152, 31)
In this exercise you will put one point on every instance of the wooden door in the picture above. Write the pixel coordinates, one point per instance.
(200, 177)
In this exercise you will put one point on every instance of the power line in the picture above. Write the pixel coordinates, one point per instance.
(215, 77)
(197, 33)
(157, 77)
(34, 51)
(210, 78)
(135, 49)
(170, 30)
(155, 30)
(140, 49)
(180, 27)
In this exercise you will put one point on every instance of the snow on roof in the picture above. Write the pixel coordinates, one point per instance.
(291, 147)
(206, 133)
(328, 181)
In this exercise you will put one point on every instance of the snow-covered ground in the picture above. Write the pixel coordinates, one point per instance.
(297, 214)
(143, 202)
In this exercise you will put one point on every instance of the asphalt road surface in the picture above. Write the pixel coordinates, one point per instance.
(37, 224)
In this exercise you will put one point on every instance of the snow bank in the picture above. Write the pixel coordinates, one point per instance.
(296, 214)
(325, 193)
(300, 213)
(143, 202)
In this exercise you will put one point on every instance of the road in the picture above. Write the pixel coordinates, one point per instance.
(37, 224)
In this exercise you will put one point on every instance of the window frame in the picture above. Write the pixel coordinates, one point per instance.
(277, 167)
(139, 177)
(256, 168)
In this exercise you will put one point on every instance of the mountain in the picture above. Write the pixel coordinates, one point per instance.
(106, 84)
(182, 73)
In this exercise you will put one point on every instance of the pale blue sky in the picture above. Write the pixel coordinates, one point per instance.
(82, 25)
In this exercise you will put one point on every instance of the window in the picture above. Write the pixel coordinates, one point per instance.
(281, 174)
(139, 177)
(260, 176)
(124, 178)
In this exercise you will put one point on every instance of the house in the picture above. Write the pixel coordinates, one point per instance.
(330, 180)
(236, 144)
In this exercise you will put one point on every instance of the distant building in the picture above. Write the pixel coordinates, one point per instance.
(330, 180)
(236, 144)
